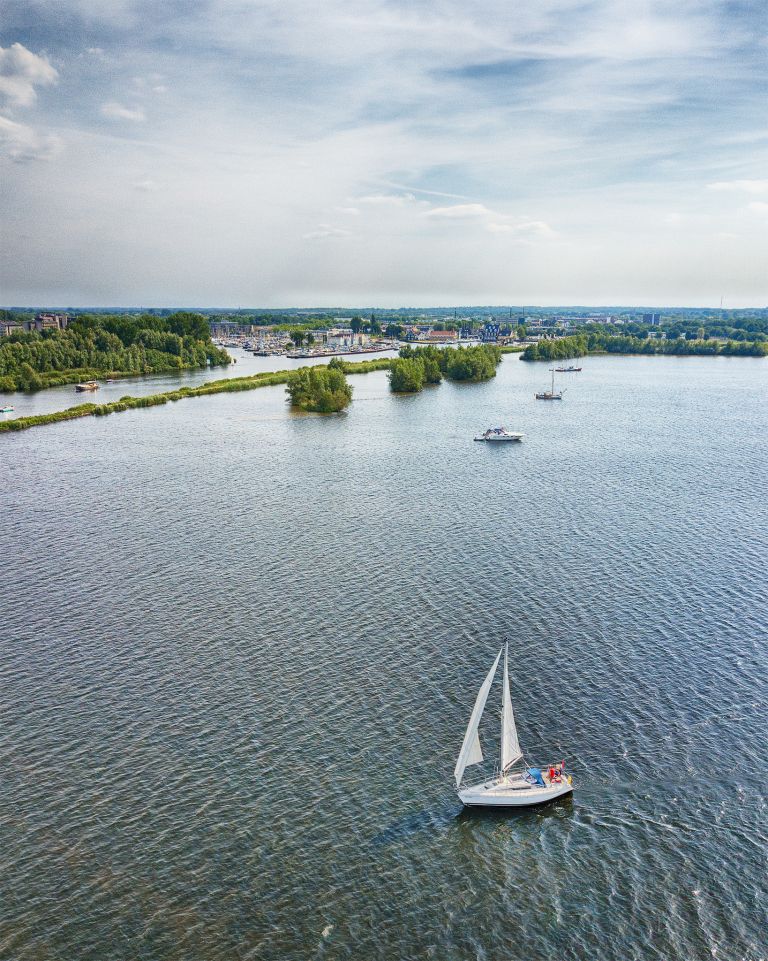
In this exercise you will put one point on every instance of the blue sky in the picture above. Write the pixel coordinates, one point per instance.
(231, 152)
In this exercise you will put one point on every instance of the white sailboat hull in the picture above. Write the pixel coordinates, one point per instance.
(512, 792)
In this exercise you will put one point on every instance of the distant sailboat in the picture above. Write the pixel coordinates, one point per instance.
(509, 788)
(550, 394)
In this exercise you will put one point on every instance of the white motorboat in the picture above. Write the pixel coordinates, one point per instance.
(517, 784)
(496, 434)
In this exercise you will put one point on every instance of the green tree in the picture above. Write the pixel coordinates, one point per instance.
(28, 378)
(297, 335)
(323, 390)
(356, 324)
(406, 375)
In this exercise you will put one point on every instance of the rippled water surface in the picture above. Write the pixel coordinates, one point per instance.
(239, 648)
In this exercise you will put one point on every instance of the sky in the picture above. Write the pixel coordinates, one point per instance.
(267, 153)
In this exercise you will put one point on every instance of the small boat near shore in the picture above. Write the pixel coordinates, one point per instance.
(516, 784)
(87, 385)
(8, 409)
(568, 370)
(495, 435)
(550, 394)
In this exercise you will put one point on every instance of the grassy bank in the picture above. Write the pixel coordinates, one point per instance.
(230, 385)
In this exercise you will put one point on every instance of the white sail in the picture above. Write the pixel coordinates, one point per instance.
(510, 746)
(471, 752)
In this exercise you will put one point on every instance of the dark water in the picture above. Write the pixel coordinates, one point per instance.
(240, 647)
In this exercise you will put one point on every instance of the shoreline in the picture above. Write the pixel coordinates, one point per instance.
(227, 385)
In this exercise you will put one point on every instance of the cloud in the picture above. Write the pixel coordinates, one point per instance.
(759, 206)
(524, 229)
(741, 186)
(116, 111)
(387, 200)
(20, 72)
(327, 232)
(461, 212)
(147, 185)
(21, 143)
(492, 221)
(443, 123)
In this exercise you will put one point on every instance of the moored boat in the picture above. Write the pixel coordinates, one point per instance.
(8, 409)
(568, 370)
(517, 784)
(87, 385)
(550, 394)
(497, 434)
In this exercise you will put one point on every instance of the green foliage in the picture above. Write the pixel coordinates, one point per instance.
(406, 375)
(323, 390)
(297, 335)
(472, 363)
(98, 345)
(418, 366)
(594, 342)
(230, 385)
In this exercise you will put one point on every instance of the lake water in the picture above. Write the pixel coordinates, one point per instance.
(240, 646)
(245, 364)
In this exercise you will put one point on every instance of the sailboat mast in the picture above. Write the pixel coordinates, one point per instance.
(504, 686)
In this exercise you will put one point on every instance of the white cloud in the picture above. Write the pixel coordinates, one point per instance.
(327, 232)
(524, 229)
(20, 72)
(492, 221)
(741, 186)
(461, 212)
(116, 111)
(21, 143)
(387, 200)
(325, 109)
(760, 206)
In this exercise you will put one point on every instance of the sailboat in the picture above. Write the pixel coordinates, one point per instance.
(516, 784)
(550, 394)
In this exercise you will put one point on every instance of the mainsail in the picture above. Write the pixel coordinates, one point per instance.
(471, 752)
(510, 746)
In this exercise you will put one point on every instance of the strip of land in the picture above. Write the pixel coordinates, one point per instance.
(229, 385)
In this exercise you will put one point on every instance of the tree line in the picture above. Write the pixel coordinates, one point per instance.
(563, 348)
(95, 345)
(417, 366)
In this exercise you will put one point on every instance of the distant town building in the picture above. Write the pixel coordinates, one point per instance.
(47, 322)
(490, 333)
(442, 336)
(654, 319)
(229, 329)
(10, 327)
